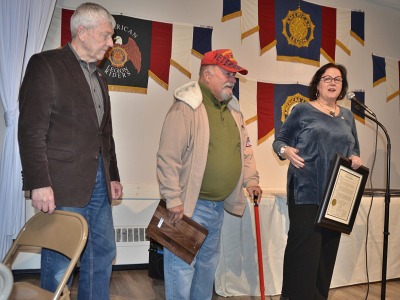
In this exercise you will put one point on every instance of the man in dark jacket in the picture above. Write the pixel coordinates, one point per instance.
(67, 146)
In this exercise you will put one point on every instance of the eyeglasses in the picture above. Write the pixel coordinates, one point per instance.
(328, 79)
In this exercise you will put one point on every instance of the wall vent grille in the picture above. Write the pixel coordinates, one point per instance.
(129, 234)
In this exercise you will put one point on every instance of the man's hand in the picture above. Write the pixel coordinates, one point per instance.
(175, 213)
(116, 189)
(254, 190)
(43, 199)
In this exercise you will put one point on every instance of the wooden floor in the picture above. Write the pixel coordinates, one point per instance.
(136, 284)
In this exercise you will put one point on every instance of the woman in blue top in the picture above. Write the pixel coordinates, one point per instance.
(309, 138)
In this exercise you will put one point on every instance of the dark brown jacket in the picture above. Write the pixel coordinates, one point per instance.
(58, 132)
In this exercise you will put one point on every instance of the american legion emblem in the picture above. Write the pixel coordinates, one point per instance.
(290, 102)
(298, 28)
(120, 54)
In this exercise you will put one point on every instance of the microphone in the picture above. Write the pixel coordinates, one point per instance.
(352, 97)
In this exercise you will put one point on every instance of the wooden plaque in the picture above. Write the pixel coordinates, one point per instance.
(184, 238)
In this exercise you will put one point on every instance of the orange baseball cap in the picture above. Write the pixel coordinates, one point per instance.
(223, 58)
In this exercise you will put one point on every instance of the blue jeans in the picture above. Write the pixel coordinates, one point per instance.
(97, 257)
(195, 281)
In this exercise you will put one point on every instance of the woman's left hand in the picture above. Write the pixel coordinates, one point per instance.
(355, 162)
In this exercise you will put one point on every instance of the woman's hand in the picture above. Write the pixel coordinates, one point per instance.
(291, 155)
(355, 162)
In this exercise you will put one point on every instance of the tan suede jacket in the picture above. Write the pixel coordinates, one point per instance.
(182, 154)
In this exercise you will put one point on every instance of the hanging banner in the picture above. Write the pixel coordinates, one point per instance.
(127, 63)
(300, 31)
(387, 70)
(144, 48)
(230, 10)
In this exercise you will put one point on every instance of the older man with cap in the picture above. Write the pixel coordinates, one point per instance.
(204, 161)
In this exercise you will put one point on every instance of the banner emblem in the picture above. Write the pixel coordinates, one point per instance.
(119, 54)
(290, 102)
(298, 28)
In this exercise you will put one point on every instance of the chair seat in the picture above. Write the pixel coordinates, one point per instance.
(28, 291)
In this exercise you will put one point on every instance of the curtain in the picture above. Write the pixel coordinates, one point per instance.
(23, 28)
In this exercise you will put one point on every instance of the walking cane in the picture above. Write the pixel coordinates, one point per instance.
(259, 248)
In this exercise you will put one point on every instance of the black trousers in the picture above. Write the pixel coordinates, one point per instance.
(310, 254)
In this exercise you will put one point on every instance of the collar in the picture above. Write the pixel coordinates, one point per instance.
(208, 96)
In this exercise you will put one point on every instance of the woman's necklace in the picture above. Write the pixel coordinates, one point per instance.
(331, 111)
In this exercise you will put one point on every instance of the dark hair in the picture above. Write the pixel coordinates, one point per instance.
(313, 89)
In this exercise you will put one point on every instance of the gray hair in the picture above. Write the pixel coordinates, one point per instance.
(90, 15)
(209, 68)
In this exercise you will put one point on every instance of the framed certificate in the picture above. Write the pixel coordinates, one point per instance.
(339, 207)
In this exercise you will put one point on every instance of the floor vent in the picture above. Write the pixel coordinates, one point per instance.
(130, 234)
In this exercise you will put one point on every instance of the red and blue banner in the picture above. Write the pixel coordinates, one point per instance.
(266, 23)
(301, 31)
(66, 15)
(161, 49)
(269, 104)
(298, 31)
(328, 39)
(286, 96)
(265, 110)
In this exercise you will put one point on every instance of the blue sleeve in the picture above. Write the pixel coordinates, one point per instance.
(289, 130)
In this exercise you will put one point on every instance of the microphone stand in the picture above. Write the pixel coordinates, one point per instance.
(387, 207)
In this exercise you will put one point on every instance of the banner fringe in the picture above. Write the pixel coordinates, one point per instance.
(357, 38)
(250, 32)
(231, 16)
(251, 120)
(127, 89)
(266, 137)
(180, 68)
(158, 80)
(343, 47)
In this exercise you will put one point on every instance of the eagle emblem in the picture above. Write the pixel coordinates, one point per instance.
(119, 54)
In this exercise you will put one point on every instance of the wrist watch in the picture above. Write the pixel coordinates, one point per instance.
(282, 151)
